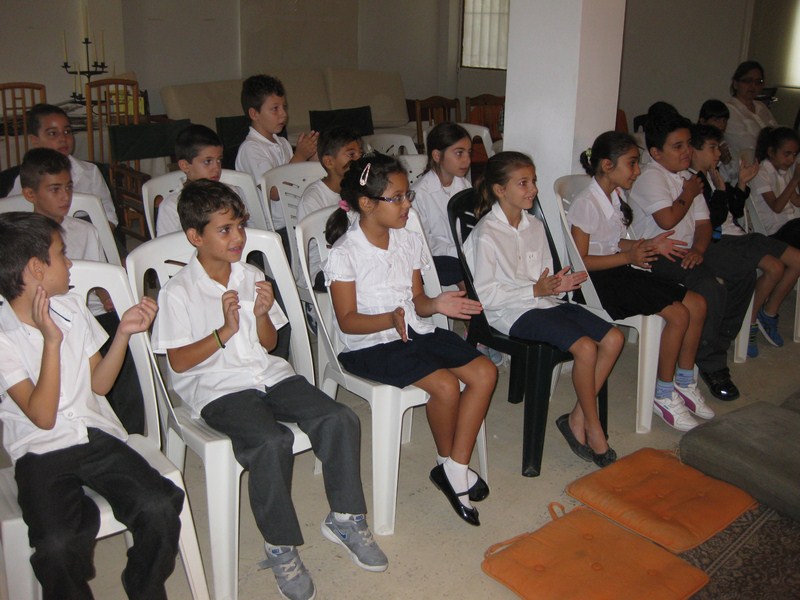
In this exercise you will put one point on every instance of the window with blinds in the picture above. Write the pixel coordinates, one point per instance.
(484, 34)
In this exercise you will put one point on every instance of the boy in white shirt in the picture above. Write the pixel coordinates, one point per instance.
(667, 197)
(49, 127)
(218, 323)
(59, 430)
(264, 103)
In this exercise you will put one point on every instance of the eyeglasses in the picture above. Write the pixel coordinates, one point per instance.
(409, 195)
(751, 80)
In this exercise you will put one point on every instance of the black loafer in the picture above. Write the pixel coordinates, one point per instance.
(720, 385)
(606, 458)
(581, 450)
(479, 491)
(439, 479)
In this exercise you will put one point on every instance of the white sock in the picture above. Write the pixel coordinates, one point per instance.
(472, 476)
(342, 517)
(456, 474)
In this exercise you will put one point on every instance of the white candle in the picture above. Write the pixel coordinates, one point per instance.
(84, 21)
(66, 58)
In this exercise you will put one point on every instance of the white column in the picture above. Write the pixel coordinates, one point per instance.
(562, 85)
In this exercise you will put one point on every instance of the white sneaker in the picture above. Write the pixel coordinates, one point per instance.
(694, 401)
(674, 412)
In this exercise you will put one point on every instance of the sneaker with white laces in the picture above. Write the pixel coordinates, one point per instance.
(694, 401)
(355, 537)
(769, 327)
(294, 582)
(674, 412)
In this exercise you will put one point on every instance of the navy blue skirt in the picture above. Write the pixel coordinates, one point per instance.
(625, 291)
(402, 363)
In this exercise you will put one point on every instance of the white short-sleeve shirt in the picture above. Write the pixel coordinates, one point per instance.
(86, 179)
(383, 280)
(190, 308)
(78, 407)
(600, 217)
(506, 262)
(770, 179)
(431, 204)
(257, 155)
(657, 188)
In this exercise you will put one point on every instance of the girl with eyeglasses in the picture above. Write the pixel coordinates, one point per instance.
(374, 273)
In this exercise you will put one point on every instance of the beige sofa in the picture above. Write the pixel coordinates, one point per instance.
(306, 89)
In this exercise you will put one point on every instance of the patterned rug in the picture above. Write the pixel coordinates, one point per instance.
(756, 558)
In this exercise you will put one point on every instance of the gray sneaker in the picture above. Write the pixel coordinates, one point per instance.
(294, 582)
(354, 535)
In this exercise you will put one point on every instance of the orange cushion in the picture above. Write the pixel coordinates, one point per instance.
(652, 493)
(585, 556)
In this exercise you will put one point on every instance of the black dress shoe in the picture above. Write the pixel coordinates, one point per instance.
(439, 479)
(606, 458)
(720, 385)
(581, 450)
(479, 490)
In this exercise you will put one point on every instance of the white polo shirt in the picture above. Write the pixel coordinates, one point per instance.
(257, 155)
(770, 179)
(506, 262)
(657, 188)
(190, 308)
(86, 179)
(431, 204)
(594, 214)
(78, 407)
(383, 280)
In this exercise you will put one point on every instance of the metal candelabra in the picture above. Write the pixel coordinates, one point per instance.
(92, 69)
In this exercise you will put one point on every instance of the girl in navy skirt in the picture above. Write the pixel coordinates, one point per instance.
(599, 217)
(511, 263)
(374, 275)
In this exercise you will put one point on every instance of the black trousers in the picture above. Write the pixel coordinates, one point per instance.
(63, 522)
(264, 447)
(727, 284)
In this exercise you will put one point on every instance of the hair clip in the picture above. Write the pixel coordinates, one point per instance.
(365, 174)
(344, 205)
(588, 153)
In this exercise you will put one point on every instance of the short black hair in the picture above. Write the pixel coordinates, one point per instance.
(334, 139)
(191, 141)
(37, 111)
(702, 133)
(199, 199)
(714, 109)
(657, 129)
(25, 235)
(38, 162)
(255, 90)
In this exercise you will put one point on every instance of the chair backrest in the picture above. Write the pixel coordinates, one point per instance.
(433, 110)
(393, 144)
(232, 131)
(109, 102)
(415, 165)
(566, 189)
(260, 215)
(474, 131)
(487, 110)
(81, 203)
(16, 99)
(430, 280)
(167, 254)
(154, 191)
(86, 275)
(752, 220)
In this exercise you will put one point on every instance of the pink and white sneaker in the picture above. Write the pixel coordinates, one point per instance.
(674, 412)
(694, 401)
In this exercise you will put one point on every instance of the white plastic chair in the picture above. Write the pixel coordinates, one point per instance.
(290, 181)
(648, 326)
(393, 144)
(415, 165)
(81, 203)
(160, 186)
(165, 256)
(391, 417)
(21, 581)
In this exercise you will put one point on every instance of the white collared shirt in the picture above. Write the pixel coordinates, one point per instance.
(257, 155)
(593, 213)
(83, 243)
(657, 188)
(315, 197)
(506, 262)
(78, 407)
(770, 179)
(745, 125)
(431, 204)
(190, 308)
(383, 280)
(86, 179)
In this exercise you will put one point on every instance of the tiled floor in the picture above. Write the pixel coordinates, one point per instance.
(433, 554)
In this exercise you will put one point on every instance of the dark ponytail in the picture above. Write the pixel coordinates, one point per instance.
(609, 146)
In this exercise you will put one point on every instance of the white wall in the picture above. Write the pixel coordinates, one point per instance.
(682, 51)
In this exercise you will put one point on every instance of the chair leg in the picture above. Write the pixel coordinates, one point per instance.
(20, 579)
(386, 434)
(796, 336)
(176, 450)
(222, 491)
(740, 344)
(483, 453)
(602, 407)
(518, 377)
(537, 400)
(647, 371)
(408, 420)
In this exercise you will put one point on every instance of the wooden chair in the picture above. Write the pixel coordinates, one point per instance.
(109, 102)
(16, 99)
(487, 110)
(434, 110)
